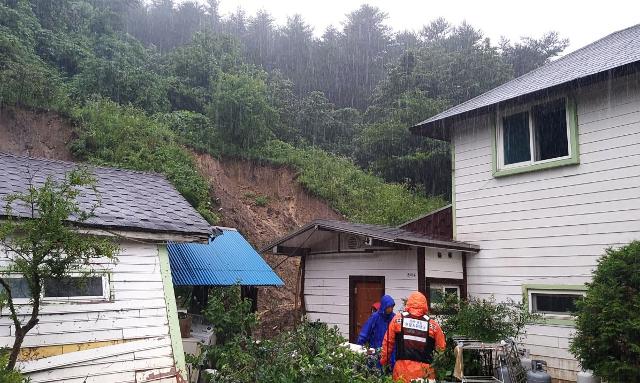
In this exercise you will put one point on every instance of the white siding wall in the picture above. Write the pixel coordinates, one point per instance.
(136, 310)
(550, 227)
(443, 266)
(326, 283)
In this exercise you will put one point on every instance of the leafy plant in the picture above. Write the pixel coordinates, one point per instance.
(607, 338)
(482, 319)
(126, 137)
(45, 246)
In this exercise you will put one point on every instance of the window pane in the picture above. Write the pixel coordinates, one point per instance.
(435, 295)
(19, 287)
(515, 137)
(555, 303)
(550, 130)
(452, 290)
(73, 287)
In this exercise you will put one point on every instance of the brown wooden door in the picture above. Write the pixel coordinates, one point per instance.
(364, 291)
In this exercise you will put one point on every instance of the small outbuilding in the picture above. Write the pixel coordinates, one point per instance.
(227, 260)
(346, 267)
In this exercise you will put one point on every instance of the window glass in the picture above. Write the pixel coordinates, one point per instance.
(452, 290)
(19, 287)
(516, 143)
(550, 130)
(554, 303)
(73, 287)
(435, 295)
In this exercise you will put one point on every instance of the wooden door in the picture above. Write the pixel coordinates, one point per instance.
(364, 291)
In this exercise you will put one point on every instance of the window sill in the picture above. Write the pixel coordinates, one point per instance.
(536, 167)
(565, 322)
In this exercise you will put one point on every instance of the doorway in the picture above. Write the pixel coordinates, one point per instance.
(364, 291)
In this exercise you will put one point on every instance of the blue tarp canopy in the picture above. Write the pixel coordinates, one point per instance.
(227, 260)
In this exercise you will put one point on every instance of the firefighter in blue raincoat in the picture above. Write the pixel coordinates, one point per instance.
(373, 331)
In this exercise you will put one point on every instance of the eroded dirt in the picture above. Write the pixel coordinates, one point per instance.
(241, 189)
(35, 133)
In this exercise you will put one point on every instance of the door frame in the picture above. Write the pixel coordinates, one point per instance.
(353, 280)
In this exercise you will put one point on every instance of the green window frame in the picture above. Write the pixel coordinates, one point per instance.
(573, 158)
(549, 318)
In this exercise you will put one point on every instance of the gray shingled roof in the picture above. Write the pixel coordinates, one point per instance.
(130, 200)
(380, 232)
(613, 51)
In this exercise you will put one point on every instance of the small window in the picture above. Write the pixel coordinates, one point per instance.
(533, 134)
(69, 288)
(74, 287)
(554, 302)
(19, 287)
(437, 292)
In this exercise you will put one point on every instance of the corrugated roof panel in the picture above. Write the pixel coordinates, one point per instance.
(227, 260)
(613, 51)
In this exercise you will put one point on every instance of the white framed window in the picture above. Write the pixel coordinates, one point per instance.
(560, 303)
(438, 291)
(69, 289)
(535, 134)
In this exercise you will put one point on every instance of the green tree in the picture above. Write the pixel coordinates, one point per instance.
(240, 109)
(607, 338)
(47, 243)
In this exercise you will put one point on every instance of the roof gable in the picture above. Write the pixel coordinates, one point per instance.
(613, 51)
(130, 200)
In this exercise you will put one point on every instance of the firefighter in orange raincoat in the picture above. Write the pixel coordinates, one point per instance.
(416, 337)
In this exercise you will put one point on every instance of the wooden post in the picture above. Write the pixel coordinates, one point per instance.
(463, 289)
(422, 280)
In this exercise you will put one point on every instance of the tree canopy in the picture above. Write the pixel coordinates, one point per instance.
(239, 84)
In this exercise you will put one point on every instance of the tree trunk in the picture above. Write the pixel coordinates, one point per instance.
(15, 350)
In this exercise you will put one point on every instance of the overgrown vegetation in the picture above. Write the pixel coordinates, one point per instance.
(166, 75)
(607, 338)
(481, 319)
(43, 246)
(311, 353)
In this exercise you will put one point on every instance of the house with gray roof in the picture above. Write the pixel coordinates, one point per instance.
(122, 325)
(346, 267)
(546, 176)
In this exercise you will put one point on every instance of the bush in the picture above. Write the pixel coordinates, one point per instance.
(358, 195)
(482, 319)
(607, 338)
(12, 376)
(126, 137)
(312, 353)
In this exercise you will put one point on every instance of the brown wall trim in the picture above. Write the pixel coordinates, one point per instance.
(463, 288)
(303, 264)
(422, 282)
(353, 279)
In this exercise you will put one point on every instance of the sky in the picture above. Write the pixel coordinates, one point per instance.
(581, 21)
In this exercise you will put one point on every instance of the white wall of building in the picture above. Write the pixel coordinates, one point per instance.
(551, 226)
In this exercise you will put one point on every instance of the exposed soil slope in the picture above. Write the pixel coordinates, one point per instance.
(35, 133)
(264, 203)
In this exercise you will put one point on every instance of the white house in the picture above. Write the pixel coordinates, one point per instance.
(546, 175)
(123, 325)
(346, 267)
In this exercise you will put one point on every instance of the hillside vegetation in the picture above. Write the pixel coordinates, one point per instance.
(144, 82)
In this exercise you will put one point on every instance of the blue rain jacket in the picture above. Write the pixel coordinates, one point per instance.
(373, 331)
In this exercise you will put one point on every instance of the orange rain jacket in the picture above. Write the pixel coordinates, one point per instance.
(406, 370)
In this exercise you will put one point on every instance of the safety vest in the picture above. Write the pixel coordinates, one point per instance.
(414, 342)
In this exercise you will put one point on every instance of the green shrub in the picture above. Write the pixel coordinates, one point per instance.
(482, 319)
(114, 135)
(360, 196)
(607, 338)
(12, 376)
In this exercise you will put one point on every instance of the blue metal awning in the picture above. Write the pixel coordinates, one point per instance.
(227, 260)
